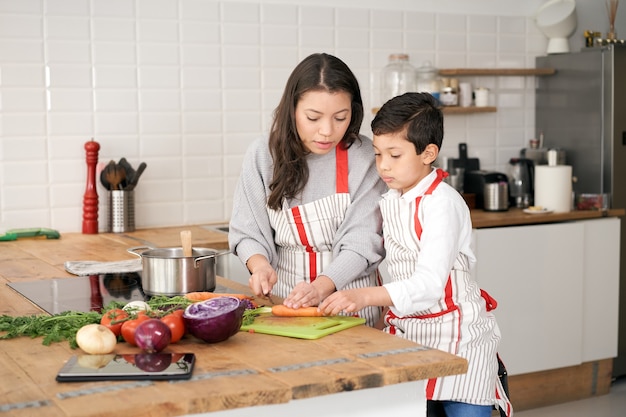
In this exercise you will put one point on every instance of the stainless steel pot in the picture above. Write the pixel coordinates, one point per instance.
(496, 196)
(166, 271)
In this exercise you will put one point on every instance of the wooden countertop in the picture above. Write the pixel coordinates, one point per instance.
(517, 217)
(239, 372)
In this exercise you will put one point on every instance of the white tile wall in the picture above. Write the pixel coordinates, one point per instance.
(185, 85)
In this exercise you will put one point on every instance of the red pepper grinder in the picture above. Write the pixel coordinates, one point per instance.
(90, 199)
(96, 295)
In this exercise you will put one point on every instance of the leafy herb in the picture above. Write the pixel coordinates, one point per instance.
(56, 328)
(63, 326)
(251, 313)
(165, 305)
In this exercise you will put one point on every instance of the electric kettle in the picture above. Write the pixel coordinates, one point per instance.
(521, 176)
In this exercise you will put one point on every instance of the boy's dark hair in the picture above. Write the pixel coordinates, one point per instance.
(418, 114)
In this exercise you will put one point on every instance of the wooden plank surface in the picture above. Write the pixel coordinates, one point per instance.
(201, 236)
(517, 217)
(460, 72)
(555, 386)
(246, 370)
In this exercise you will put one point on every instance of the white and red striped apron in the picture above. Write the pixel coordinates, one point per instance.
(459, 323)
(304, 237)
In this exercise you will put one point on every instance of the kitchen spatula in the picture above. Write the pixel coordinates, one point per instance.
(185, 238)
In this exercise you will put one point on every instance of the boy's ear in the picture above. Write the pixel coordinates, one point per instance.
(431, 153)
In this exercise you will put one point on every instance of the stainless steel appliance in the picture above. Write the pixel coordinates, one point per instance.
(521, 181)
(496, 196)
(491, 189)
(582, 109)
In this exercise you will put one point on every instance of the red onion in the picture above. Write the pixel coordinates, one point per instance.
(153, 362)
(153, 335)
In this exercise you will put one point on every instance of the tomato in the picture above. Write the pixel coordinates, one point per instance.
(129, 327)
(113, 319)
(176, 324)
(177, 356)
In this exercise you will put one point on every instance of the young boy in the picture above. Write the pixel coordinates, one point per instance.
(433, 299)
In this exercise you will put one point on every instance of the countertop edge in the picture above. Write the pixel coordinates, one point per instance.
(516, 217)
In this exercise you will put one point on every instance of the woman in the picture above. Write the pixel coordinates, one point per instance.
(305, 216)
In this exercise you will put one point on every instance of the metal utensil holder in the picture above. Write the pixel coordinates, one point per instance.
(121, 211)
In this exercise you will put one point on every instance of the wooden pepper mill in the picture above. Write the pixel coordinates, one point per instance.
(90, 199)
(96, 295)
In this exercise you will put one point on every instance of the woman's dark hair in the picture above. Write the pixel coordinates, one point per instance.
(418, 113)
(317, 72)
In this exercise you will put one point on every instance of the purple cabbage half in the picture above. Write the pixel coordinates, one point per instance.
(215, 319)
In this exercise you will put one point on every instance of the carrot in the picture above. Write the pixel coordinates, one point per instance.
(206, 295)
(284, 311)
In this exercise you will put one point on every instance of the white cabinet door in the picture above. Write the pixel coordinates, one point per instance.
(601, 289)
(536, 275)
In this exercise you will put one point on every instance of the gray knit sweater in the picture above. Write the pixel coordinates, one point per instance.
(358, 246)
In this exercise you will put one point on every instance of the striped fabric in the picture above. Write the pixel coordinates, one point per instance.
(305, 234)
(458, 323)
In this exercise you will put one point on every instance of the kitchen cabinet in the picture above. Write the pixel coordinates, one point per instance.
(601, 289)
(557, 286)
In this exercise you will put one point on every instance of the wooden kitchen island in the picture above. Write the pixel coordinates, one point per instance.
(345, 373)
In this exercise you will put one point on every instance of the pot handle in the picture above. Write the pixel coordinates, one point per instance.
(199, 258)
(137, 248)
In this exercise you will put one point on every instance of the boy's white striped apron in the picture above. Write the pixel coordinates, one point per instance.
(455, 324)
(304, 236)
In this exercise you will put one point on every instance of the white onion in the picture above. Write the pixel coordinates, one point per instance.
(136, 306)
(96, 339)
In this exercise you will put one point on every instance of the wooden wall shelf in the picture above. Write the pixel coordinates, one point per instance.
(458, 110)
(467, 110)
(460, 72)
(464, 72)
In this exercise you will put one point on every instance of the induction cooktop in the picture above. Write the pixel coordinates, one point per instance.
(84, 293)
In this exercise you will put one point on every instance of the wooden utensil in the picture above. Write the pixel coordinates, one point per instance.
(185, 238)
(114, 175)
(130, 173)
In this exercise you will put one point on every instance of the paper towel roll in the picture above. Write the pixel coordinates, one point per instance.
(553, 187)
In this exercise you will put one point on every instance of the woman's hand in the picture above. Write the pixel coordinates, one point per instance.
(306, 294)
(263, 277)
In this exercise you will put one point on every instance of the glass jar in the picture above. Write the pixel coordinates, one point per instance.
(450, 92)
(398, 77)
(428, 80)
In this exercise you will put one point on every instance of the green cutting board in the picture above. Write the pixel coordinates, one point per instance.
(301, 327)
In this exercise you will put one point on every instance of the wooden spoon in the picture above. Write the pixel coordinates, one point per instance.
(115, 175)
(185, 238)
